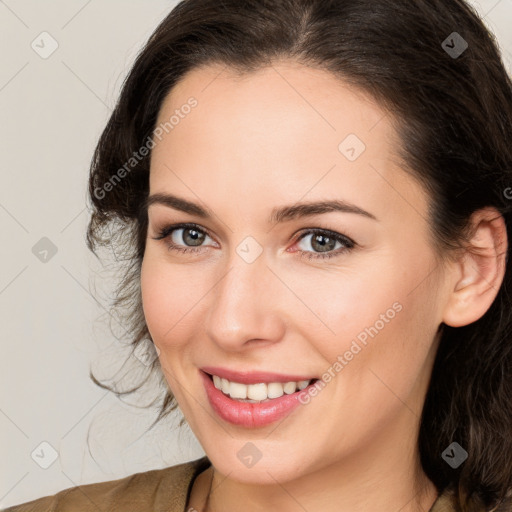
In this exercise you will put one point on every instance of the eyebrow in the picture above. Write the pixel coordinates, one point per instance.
(280, 214)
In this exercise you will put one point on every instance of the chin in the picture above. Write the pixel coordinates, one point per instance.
(256, 462)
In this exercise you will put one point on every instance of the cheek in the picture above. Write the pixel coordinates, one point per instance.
(381, 321)
(168, 298)
(347, 305)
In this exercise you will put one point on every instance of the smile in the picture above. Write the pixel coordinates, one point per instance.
(259, 400)
(255, 393)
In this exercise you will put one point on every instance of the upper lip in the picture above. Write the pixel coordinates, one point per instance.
(253, 377)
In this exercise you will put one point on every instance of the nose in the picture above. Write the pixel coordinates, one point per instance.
(246, 306)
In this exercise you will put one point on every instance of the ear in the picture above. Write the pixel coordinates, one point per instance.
(480, 271)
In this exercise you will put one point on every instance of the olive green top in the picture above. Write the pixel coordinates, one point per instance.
(158, 490)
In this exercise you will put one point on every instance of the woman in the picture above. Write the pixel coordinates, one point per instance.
(315, 201)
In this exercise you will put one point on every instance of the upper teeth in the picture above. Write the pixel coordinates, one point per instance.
(260, 391)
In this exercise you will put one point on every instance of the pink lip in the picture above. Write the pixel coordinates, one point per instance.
(252, 377)
(247, 414)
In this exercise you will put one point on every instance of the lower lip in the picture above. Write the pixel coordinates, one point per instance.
(247, 414)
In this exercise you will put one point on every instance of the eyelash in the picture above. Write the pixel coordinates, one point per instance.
(166, 231)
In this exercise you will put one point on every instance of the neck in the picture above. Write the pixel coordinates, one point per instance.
(376, 478)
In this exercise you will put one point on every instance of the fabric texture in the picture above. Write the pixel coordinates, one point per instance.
(158, 490)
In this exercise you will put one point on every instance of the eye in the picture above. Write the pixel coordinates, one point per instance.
(189, 238)
(189, 234)
(325, 242)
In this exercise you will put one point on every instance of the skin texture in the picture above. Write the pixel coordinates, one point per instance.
(264, 140)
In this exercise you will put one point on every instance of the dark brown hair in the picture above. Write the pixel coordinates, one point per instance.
(453, 114)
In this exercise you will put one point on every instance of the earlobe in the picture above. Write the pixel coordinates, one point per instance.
(480, 271)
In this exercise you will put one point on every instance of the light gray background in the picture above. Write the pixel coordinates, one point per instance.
(54, 324)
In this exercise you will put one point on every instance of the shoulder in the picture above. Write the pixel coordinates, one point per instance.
(447, 502)
(151, 491)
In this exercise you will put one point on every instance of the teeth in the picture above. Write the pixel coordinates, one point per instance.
(290, 387)
(237, 390)
(224, 385)
(254, 393)
(303, 384)
(275, 390)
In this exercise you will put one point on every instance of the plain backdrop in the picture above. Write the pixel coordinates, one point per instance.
(62, 65)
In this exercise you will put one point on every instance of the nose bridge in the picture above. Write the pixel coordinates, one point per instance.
(244, 304)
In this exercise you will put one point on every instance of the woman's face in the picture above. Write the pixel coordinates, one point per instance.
(254, 302)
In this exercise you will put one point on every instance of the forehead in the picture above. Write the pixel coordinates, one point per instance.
(317, 96)
(282, 131)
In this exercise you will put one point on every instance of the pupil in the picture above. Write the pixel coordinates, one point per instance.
(326, 244)
(196, 236)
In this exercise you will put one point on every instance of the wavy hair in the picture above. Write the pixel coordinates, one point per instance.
(453, 114)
